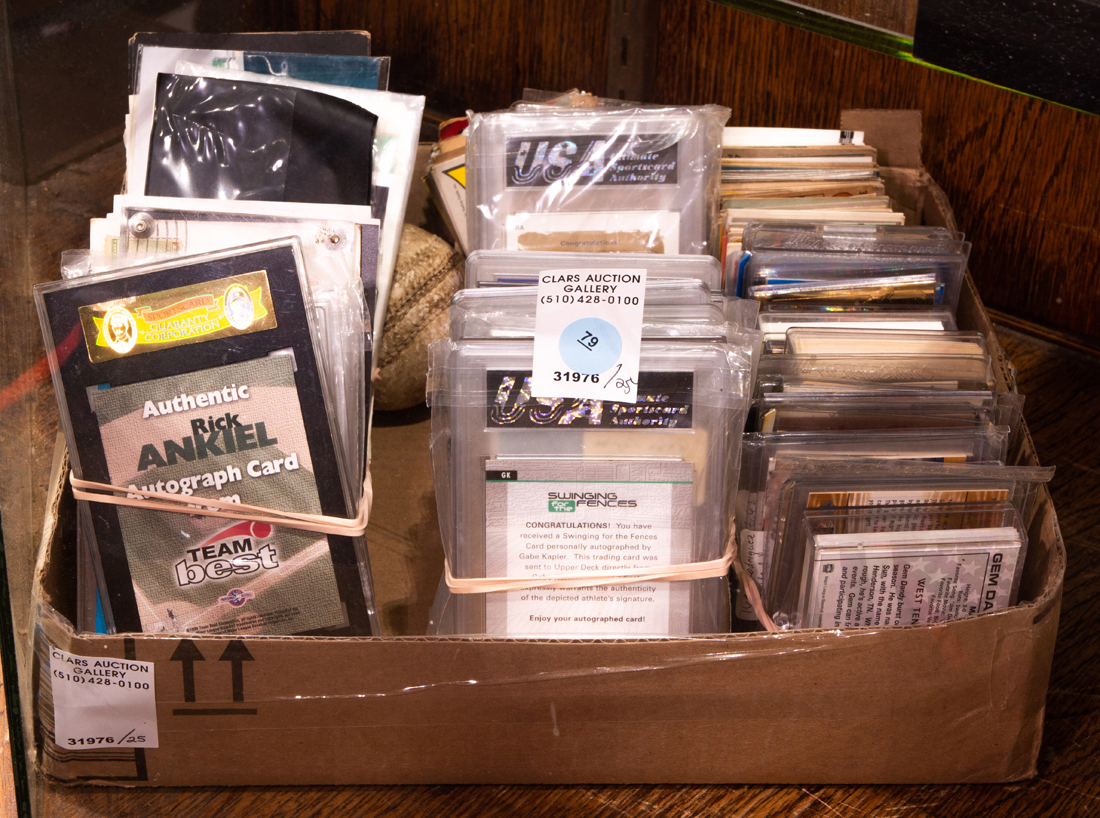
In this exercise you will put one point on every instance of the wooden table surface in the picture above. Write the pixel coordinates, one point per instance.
(1063, 407)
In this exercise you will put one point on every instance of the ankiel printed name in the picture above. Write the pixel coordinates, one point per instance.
(211, 436)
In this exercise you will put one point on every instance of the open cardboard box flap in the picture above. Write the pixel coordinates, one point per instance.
(957, 702)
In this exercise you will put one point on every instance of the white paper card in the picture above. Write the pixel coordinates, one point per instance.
(625, 231)
(593, 517)
(102, 703)
(588, 334)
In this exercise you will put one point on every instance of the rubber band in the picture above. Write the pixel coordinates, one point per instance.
(752, 593)
(665, 573)
(181, 504)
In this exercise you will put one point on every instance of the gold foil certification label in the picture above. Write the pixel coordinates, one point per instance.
(236, 305)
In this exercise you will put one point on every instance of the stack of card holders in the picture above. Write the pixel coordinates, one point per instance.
(533, 488)
(808, 175)
(214, 341)
(874, 489)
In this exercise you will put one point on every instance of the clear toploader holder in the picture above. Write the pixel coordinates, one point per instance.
(594, 180)
(797, 486)
(882, 409)
(791, 372)
(832, 341)
(868, 568)
(334, 256)
(569, 517)
(775, 323)
(917, 267)
(974, 444)
(978, 444)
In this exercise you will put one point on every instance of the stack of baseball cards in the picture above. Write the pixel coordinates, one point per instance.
(869, 400)
(798, 174)
(284, 154)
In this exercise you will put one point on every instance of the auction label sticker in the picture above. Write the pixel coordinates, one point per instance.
(101, 702)
(588, 334)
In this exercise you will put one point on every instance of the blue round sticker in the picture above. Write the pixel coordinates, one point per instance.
(590, 345)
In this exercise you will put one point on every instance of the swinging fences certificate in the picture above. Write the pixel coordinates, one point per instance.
(568, 516)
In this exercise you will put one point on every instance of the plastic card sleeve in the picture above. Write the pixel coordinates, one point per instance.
(977, 444)
(917, 565)
(396, 137)
(831, 341)
(221, 138)
(158, 45)
(775, 323)
(595, 180)
(195, 378)
(848, 238)
(790, 372)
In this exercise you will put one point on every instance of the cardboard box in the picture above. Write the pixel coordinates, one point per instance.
(958, 702)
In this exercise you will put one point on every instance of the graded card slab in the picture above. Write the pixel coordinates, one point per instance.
(914, 584)
(196, 378)
(678, 425)
(617, 180)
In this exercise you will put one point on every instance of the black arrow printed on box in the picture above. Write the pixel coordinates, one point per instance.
(237, 653)
(187, 653)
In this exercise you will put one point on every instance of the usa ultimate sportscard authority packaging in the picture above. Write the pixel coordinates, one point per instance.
(595, 180)
(533, 487)
(194, 378)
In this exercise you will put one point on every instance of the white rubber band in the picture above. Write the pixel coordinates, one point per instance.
(178, 504)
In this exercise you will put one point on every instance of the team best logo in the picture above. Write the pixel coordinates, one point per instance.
(241, 549)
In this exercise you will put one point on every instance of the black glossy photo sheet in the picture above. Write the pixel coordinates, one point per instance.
(227, 139)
